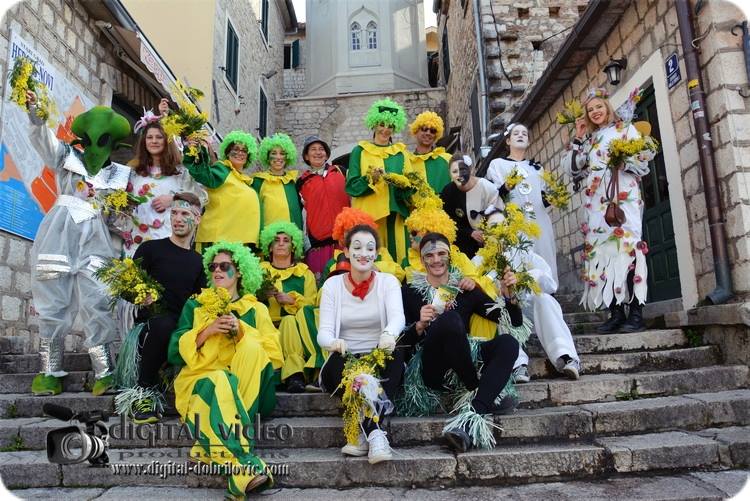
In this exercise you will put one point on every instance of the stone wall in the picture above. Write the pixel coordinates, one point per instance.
(521, 38)
(64, 33)
(339, 120)
(240, 109)
(294, 78)
(646, 27)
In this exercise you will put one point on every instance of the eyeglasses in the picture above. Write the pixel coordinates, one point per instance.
(237, 153)
(224, 266)
(429, 129)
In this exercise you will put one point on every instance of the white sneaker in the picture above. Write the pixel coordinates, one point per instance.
(521, 374)
(380, 449)
(359, 449)
(572, 369)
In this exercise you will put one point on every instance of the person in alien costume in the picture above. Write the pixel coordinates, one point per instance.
(73, 241)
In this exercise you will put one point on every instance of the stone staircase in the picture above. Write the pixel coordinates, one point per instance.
(655, 413)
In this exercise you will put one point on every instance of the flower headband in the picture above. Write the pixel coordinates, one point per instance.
(599, 92)
(147, 119)
(467, 160)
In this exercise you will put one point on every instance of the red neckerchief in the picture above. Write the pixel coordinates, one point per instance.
(360, 289)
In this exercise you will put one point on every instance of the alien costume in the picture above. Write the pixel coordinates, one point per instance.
(73, 241)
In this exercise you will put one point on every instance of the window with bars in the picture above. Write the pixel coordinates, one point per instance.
(231, 61)
(372, 35)
(356, 36)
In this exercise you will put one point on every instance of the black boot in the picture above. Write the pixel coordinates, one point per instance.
(616, 319)
(635, 318)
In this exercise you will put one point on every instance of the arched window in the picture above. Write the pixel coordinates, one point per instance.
(372, 35)
(356, 34)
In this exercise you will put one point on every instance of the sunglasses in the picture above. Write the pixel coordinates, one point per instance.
(429, 129)
(222, 266)
(237, 153)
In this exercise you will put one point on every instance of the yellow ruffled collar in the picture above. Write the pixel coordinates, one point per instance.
(238, 174)
(437, 152)
(288, 177)
(382, 151)
(297, 270)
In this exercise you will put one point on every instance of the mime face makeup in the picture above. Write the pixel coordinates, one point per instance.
(362, 251)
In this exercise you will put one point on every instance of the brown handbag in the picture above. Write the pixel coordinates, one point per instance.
(614, 215)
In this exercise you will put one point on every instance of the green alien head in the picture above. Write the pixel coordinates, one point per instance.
(99, 131)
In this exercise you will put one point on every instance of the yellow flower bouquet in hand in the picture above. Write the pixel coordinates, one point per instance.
(363, 396)
(22, 80)
(572, 111)
(215, 303)
(556, 193)
(126, 280)
(397, 180)
(643, 148)
(187, 121)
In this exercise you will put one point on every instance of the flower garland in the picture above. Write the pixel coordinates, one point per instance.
(187, 121)
(126, 279)
(556, 193)
(363, 396)
(22, 80)
(572, 111)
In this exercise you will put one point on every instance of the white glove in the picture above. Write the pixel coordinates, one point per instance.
(387, 342)
(338, 345)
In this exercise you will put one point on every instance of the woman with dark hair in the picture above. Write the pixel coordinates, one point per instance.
(156, 176)
(227, 367)
(359, 311)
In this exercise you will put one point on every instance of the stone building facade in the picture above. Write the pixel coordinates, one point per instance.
(65, 33)
(295, 57)
(646, 33)
(519, 38)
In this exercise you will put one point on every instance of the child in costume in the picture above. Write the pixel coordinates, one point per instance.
(293, 289)
(365, 182)
(276, 187)
(73, 241)
(179, 269)
(427, 160)
(614, 265)
(322, 191)
(233, 211)
(156, 176)
(228, 362)
(359, 311)
(529, 192)
(437, 315)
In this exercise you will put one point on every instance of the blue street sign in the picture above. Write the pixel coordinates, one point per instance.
(673, 70)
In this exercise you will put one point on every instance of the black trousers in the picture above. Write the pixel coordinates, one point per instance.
(446, 347)
(154, 344)
(391, 376)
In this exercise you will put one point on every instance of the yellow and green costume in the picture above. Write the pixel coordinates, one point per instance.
(434, 166)
(387, 204)
(478, 326)
(279, 200)
(225, 381)
(298, 282)
(230, 200)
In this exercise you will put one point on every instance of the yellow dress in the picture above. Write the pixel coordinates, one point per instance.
(225, 383)
(279, 200)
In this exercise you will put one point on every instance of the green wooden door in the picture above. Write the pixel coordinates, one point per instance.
(658, 231)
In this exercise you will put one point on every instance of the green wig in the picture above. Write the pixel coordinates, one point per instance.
(278, 140)
(237, 136)
(251, 274)
(273, 229)
(385, 111)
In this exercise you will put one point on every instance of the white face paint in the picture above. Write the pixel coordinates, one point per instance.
(362, 251)
(519, 137)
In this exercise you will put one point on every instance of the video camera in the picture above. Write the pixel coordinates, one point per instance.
(76, 444)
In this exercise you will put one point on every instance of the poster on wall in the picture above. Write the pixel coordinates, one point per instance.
(28, 187)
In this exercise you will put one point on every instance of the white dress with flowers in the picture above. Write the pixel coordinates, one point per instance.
(610, 253)
(145, 222)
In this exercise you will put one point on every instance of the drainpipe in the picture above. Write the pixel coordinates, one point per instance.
(480, 64)
(723, 290)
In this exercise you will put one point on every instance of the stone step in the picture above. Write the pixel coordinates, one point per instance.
(709, 486)
(425, 466)
(681, 358)
(538, 393)
(74, 382)
(692, 411)
(29, 362)
(585, 316)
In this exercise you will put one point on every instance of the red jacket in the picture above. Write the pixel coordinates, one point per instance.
(323, 197)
